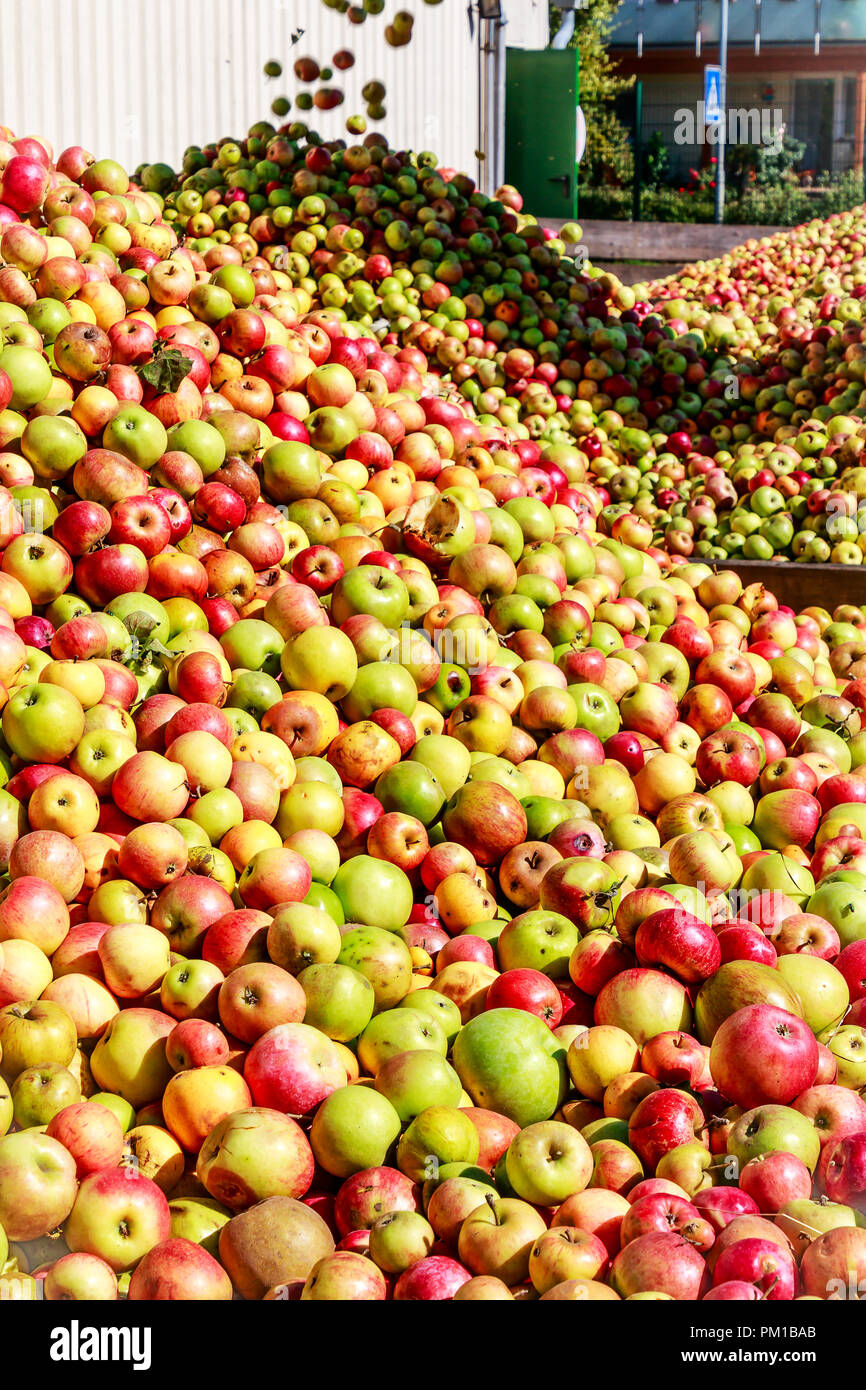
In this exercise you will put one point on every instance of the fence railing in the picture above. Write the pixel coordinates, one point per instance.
(655, 157)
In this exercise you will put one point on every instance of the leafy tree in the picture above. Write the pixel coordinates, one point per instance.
(656, 161)
(608, 157)
(779, 165)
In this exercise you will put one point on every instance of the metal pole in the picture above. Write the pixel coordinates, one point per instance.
(723, 122)
(490, 103)
(482, 133)
(638, 151)
(499, 100)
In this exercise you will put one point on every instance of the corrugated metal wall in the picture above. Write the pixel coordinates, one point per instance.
(142, 79)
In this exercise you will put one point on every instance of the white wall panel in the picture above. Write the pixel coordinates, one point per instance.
(528, 24)
(142, 79)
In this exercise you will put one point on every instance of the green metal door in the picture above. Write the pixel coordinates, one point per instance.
(541, 96)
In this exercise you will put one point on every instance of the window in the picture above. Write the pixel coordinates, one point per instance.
(849, 106)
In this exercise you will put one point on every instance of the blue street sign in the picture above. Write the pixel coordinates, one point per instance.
(712, 91)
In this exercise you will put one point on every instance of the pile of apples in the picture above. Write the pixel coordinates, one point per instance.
(418, 882)
(799, 496)
(782, 476)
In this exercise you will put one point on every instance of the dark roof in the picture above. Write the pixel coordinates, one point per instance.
(670, 23)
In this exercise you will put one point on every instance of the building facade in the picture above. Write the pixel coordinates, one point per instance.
(141, 80)
(799, 64)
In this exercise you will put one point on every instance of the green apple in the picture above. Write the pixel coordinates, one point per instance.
(633, 832)
(774, 872)
(774, 1129)
(440, 1134)
(217, 812)
(850, 877)
(322, 659)
(516, 612)
(66, 607)
(129, 1057)
(537, 940)
(410, 787)
(378, 685)
(255, 645)
(312, 769)
(374, 893)
(136, 435)
(596, 710)
(7, 1113)
(320, 852)
(735, 803)
(803, 1220)
(690, 898)
(53, 445)
(194, 836)
(38, 1093)
(42, 723)
(690, 1166)
(370, 589)
(605, 1128)
(340, 1000)
(848, 1046)
(254, 692)
(548, 1162)
(501, 771)
(820, 987)
(533, 518)
(439, 1007)
(48, 316)
(745, 840)
(353, 1129)
(199, 1219)
(301, 934)
(239, 283)
(118, 637)
(445, 758)
(291, 471)
(29, 373)
(598, 1056)
(309, 803)
(201, 441)
(844, 907)
(505, 532)
(544, 814)
(413, 1081)
(118, 1106)
(735, 985)
(508, 1060)
(395, 1032)
(321, 896)
(210, 303)
(452, 685)
(399, 1239)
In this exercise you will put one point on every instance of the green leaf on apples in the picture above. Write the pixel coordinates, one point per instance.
(140, 627)
(166, 369)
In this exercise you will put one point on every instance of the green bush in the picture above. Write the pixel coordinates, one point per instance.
(783, 205)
